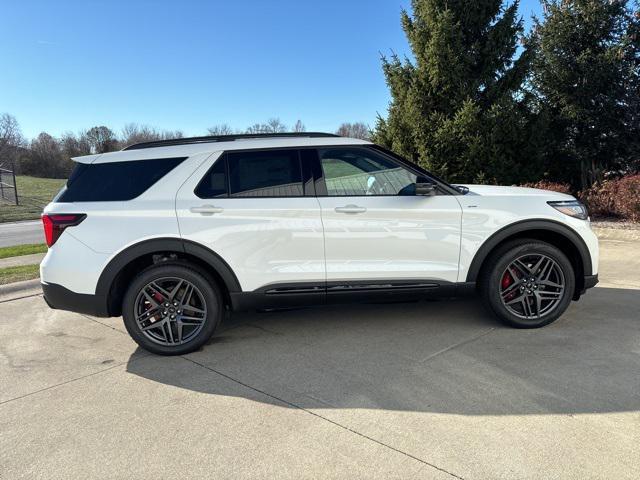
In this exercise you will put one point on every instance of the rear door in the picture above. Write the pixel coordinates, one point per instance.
(257, 210)
(376, 229)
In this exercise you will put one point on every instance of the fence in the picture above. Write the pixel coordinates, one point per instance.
(8, 188)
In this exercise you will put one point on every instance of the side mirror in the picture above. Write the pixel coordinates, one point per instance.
(425, 187)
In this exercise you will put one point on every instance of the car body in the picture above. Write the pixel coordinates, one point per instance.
(291, 220)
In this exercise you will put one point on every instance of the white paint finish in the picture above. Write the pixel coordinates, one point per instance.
(264, 240)
(285, 240)
(73, 265)
(584, 230)
(112, 226)
(496, 190)
(403, 237)
(483, 215)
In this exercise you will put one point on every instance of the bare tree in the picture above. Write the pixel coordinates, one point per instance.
(172, 134)
(133, 133)
(256, 128)
(10, 137)
(299, 127)
(102, 140)
(74, 146)
(45, 158)
(222, 129)
(355, 130)
(274, 125)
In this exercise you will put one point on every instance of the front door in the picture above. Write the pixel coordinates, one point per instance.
(375, 227)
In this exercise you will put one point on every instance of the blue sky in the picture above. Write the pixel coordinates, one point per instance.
(188, 65)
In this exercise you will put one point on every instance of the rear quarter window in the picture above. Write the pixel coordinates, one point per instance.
(115, 181)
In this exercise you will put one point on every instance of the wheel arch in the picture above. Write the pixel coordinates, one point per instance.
(118, 273)
(554, 233)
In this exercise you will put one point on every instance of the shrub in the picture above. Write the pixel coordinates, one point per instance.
(614, 198)
(546, 185)
(600, 199)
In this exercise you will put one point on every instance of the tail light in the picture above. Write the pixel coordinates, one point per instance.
(55, 224)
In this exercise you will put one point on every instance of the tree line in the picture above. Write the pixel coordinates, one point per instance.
(50, 157)
(481, 100)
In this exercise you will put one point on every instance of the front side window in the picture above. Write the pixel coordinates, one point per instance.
(359, 172)
(268, 173)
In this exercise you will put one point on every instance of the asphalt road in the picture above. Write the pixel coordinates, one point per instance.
(19, 233)
(425, 390)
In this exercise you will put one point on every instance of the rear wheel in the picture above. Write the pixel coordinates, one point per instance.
(528, 283)
(171, 309)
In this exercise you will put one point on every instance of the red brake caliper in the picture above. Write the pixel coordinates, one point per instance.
(507, 280)
(157, 296)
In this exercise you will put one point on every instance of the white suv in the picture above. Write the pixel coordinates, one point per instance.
(171, 234)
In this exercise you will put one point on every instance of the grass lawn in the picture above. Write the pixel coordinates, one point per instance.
(19, 250)
(19, 273)
(33, 194)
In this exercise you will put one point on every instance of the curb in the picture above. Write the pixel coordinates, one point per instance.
(620, 234)
(19, 289)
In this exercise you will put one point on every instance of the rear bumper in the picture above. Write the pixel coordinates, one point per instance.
(61, 298)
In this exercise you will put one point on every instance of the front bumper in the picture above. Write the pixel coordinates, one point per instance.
(61, 298)
(590, 281)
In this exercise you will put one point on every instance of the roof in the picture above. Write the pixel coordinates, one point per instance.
(198, 145)
(224, 138)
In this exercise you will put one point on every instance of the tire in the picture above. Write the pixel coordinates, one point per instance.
(532, 300)
(172, 329)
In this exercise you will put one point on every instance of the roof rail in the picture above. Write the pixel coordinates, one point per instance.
(224, 138)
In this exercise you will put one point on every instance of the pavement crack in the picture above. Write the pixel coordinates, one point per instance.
(138, 357)
(101, 323)
(259, 327)
(458, 344)
(317, 415)
(39, 294)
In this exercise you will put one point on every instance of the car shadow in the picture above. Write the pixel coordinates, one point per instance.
(444, 356)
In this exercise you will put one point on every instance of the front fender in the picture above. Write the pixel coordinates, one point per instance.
(519, 229)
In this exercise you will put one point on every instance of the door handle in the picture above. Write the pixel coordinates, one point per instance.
(350, 209)
(206, 210)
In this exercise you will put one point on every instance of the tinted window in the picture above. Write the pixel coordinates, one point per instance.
(214, 183)
(269, 173)
(106, 182)
(359, 171)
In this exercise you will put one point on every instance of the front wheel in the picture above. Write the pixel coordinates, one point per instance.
(527, 283)
(171, 309)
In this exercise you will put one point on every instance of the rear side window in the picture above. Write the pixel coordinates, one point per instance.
(115, 181)
(268, 173)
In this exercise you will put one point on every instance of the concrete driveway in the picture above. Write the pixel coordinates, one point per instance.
(425, 390)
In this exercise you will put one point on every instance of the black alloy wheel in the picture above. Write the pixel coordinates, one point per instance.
(172, 308)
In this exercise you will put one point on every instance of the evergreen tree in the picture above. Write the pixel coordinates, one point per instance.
(458, 107)
(586, 73)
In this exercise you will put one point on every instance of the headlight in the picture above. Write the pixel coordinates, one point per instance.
(573, 208)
